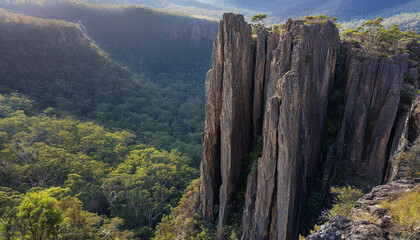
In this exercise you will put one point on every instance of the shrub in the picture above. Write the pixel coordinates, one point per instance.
(345, 201)
(405, 210)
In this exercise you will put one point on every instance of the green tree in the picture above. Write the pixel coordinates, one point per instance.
(38, 217)
(376, 39)
(258, 20)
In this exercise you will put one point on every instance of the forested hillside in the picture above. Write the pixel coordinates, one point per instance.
(57, 64)
(95, 183)
(148, 41)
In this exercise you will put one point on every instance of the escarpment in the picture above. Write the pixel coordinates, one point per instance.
(372, 95)
(278, 87)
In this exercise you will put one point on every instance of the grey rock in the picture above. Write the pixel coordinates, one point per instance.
(331, 231)
(355, 227)
(372, 95)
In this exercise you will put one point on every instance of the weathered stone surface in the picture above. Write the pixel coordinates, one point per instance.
(356, 230)
(370, 205)
(210, 165)
(272, 43)
(304, 93)
(235, 118)
(372, 95)
(330, 231)
(371, 201)
(259, 79)
(280, 89)
(297, 95)
(356, 227)
(249, 208)
(267, 172)
(228, 124)
(410, 140)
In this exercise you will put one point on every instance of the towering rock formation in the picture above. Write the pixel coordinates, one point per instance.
(372, 95)
(301, 72)
(228, 127)
(295, 86)
(279, 88)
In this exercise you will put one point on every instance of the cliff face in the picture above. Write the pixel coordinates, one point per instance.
(227, 134)
(294, 125)
(278, 88)
(372, 95)
(405, 160)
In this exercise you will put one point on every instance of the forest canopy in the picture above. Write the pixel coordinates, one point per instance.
(102, 177)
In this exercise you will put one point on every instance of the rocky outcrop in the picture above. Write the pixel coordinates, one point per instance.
(333, 230)
(290, 89)
(210, 165)
(358, 226)
(259, 77)
(249, 207)
(235, 117)
(279, 87)
(294, 124)
(372, 95)
(228, 131)
(405, 160)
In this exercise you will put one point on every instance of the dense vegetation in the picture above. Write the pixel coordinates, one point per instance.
(62, 172)
(58, 66)
(375, 39)
(104, 172)
(68, 169)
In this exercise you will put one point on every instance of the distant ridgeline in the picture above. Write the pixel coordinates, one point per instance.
(159, 94)
(405, 11)
(301, 119)
(91, 181)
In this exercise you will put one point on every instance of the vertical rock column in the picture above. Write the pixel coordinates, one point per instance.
(210, 165)
(259, 77)
(297, 97)
(235, 118)
(372, 95)
(228, 124)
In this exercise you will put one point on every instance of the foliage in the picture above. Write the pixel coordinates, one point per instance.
(185, 221)
(147, 185)
(316, 18)
(163, 106)
(376, 39)
(258, 20)
(405, 210)
(104, 172)
(314, 204)
(278, 28)
(316, 228)
(345, 200)
(41, 215)
(38, 217)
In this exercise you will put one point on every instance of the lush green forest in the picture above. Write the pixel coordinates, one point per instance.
(68, 169)
(86, 181)
(57, 64)
(148, 41)
(101, 114)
